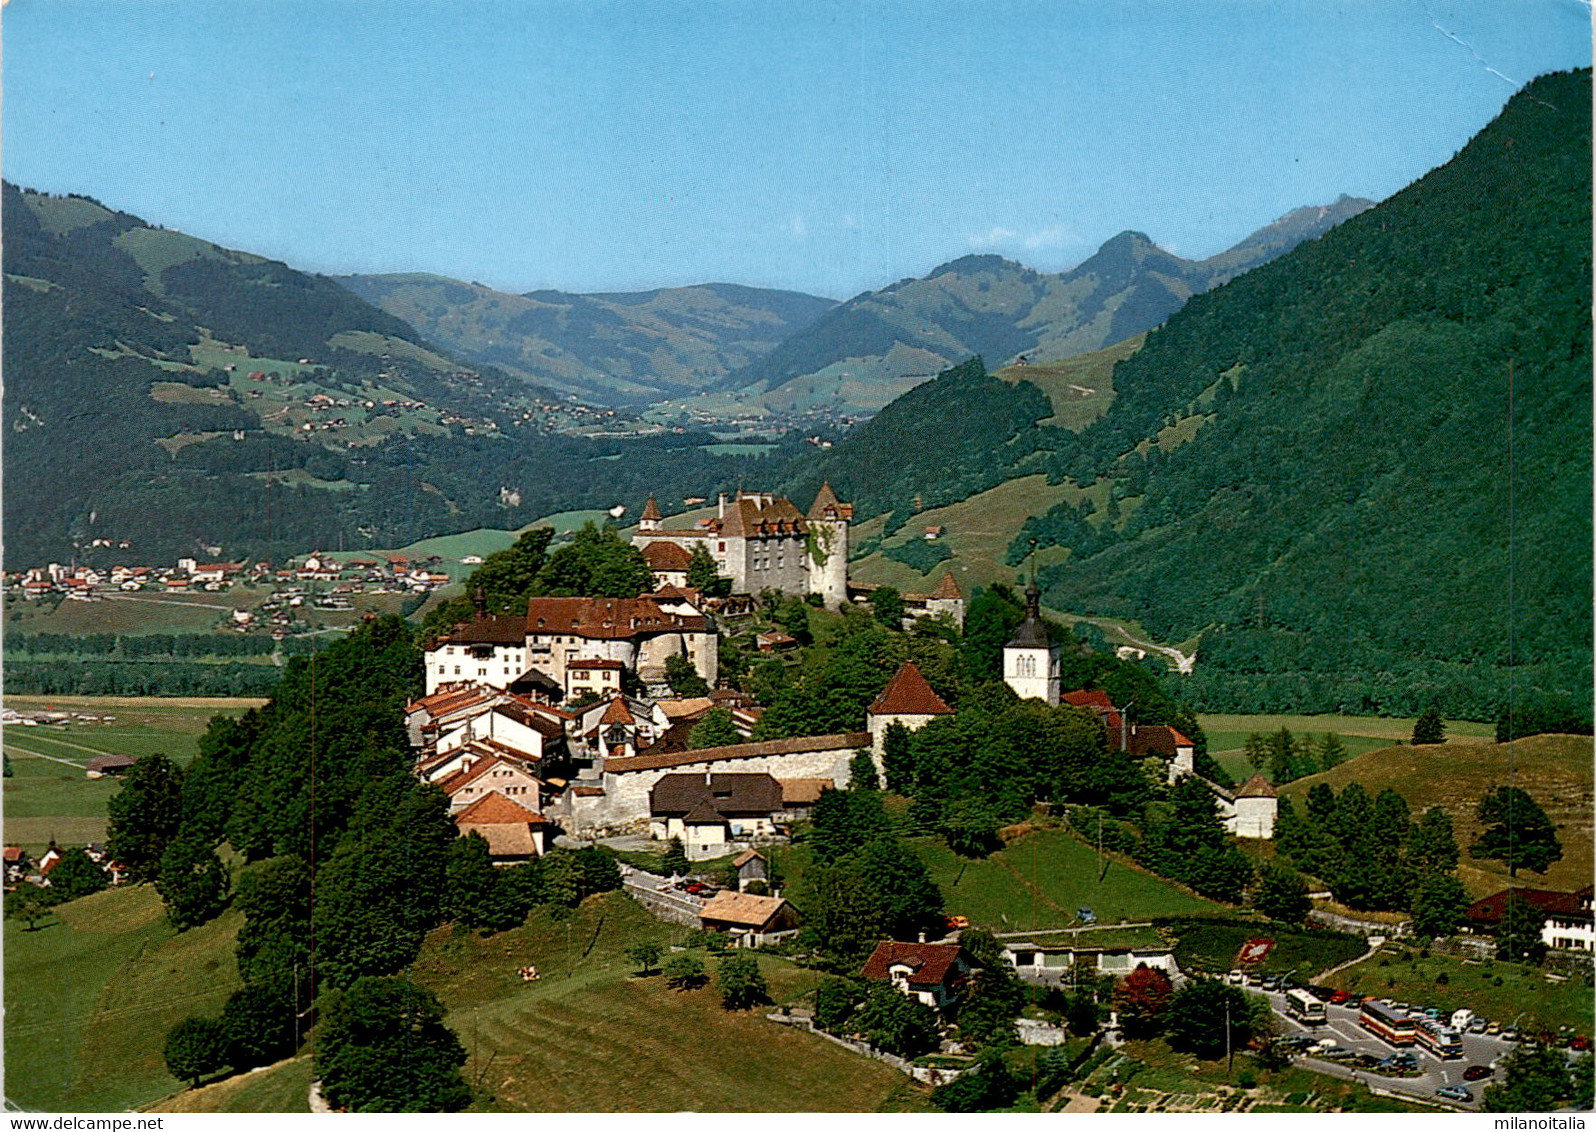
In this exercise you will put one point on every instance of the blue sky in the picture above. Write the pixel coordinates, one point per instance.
(830, 147)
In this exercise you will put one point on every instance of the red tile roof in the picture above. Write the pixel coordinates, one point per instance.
(617, 713)
(490, 630)
(1100, 702)
(1574, 905)
(948, 589)
(1156, 739)
(605, 618)
(495, 809)
(930, 961)
(1257, 787)
(666, 556)
(907, 693)
(594, 662)
(651, 510)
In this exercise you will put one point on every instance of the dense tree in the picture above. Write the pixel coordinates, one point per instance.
(1518, 936)
(842, 910)
(260, 1024)
(1533, 1080)
(685, 972)
(275, 897)
(716, 729)
(75, 875)
(908, 899)
(145, 815)
(195, 1048)
(382, 1046)
(1188, 842)
(685, 680)
(597, 562)
(1438, 904)
(1519, 833)
(887, 604)
(844, 821)
(1433, 848)
(193, 882)
(1429, 728)
(897, 1023)
(1141, 998)
(988, 1087)
(970, 825)
(1281, 894)
(862, 772)
(1542, 715)
(1197, 1015)
(28, 903)
(1331, 751)
(741, 983)
(476, 892)
(835, 1002)
(704, 575)
(897, 759)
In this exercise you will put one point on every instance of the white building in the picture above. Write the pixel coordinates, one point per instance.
(1030, 659)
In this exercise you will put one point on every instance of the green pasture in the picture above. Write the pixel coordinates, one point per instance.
(1216, 946)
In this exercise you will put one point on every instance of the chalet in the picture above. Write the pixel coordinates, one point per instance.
(772, 641)
(907, 699)
(513, 832)
(113, 765)
(935, 973)
(751, 921)
(592, 675)
(492, 774)
(1568, 919)
(710, 812)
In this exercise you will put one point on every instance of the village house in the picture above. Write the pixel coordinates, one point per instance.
(488, 775)
(593, 676)
(934, 973)
(513, 832)
(668, 560)
(750, 921)
(711, 812)
(1251, 810)
(1053, 962)
(1568, 919)
(1168, 744)
(751, 866)
(762, 541)
(947, 598)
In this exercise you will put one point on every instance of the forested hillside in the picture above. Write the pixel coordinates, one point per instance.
(1361, 472)
(606, 348)
(168, 394)
(861, 354)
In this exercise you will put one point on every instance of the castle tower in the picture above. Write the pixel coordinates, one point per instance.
(649, 520)
(1030, 660)
(828, 547)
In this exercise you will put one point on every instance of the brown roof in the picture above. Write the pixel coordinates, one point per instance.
(448, 698)
(617, 712)
(1098, 701)
(1575, 905)
(689, 708)
(593, 662)
(803, 791)
(495, 809)
(506, 840)
(489, 630)
(948, 589)
(746, 516)
(853, 739)
(605, 618)
(930, 962)
(1156, 739)
(741, 909)
(476, 770)
(745, 856)
(527, 717)
(651, 510)
(724, 794)
(14, 854)
(907, 693)
(102, 763)
(826, 505)
(1257, 787)
(666, 556)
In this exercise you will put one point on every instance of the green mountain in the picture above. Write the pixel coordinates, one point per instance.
(164, 395)
(614, 349)
(872, 348)
(1358, 477)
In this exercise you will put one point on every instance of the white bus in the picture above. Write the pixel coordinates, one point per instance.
(1304, 1007)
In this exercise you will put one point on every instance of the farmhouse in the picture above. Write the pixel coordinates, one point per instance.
(935, 973)
(751, 921)
(1568, 923)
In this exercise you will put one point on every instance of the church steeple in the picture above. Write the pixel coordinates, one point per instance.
(1030, 659)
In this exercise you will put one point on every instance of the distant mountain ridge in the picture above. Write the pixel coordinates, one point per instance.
(611, 348)
(875, 346)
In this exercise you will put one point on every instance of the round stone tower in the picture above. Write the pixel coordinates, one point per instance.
(827, 546)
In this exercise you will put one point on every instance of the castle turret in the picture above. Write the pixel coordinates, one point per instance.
(827, 540)
(1030, 659)
(649, 520)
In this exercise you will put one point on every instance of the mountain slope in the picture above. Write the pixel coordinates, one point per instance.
(606, 348)
(871, 348)
(1320, 467)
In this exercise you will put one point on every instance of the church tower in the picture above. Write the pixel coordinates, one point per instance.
(827, 540)
(1030, 660)
(648, 522)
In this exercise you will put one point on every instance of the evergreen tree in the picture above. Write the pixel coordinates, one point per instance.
(1438, 904)
(195, 1047)
(1281, 895)
(193, 882)
(382, 1047)
(1434, 847)
(897, 758)
(674, 861)
(1429, 728)
(1519, 833)
(1331, 751)
(862, 772)
(716, 729)
(75, 875)
(145, 816)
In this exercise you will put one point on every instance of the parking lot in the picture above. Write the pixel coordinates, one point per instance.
(1342, 1025)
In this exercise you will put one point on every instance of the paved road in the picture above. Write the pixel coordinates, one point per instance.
(1478, 1049)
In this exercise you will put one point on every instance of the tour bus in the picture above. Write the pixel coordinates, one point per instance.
(1387, 1025)
(1439, 1040)
(1306, 1009)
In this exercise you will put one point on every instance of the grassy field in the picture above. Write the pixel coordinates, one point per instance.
(1081, 388)
(1040, 880)
(1216, 946)
(589, 1036)
(48, 794)
(1554, 769)
(90, 995)
(284, 1087)
(1497, 991)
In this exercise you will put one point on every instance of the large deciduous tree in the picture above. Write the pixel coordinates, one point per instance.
(897, 1023)
(1141, 999)
(382, 1047)
(75, 875)
(1199, 1013)
(193, 882)
(145, 816)
(741, 983)
(1281, 894)
(195, 1047)
(1519, 833)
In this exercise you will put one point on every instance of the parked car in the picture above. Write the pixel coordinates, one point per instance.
(1478, 1073)
(1478, 1026)
(1087, 916)
(1270, 982)
(958, 923)
(1510, 1035)
(1237, 978)
(1338, 997)
(1366, 1061)
(1335, 1053)
(1399, 1061)
(1493, 1028)
(1454, 1093)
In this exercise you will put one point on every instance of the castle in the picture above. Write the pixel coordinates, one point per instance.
(762, 541)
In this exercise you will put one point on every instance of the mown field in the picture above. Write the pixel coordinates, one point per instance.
(1555, 770)
(91, 993)
(1227, 734)
(590, 1036)
(284, 1087)
(48, 794)
(1500, 992)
